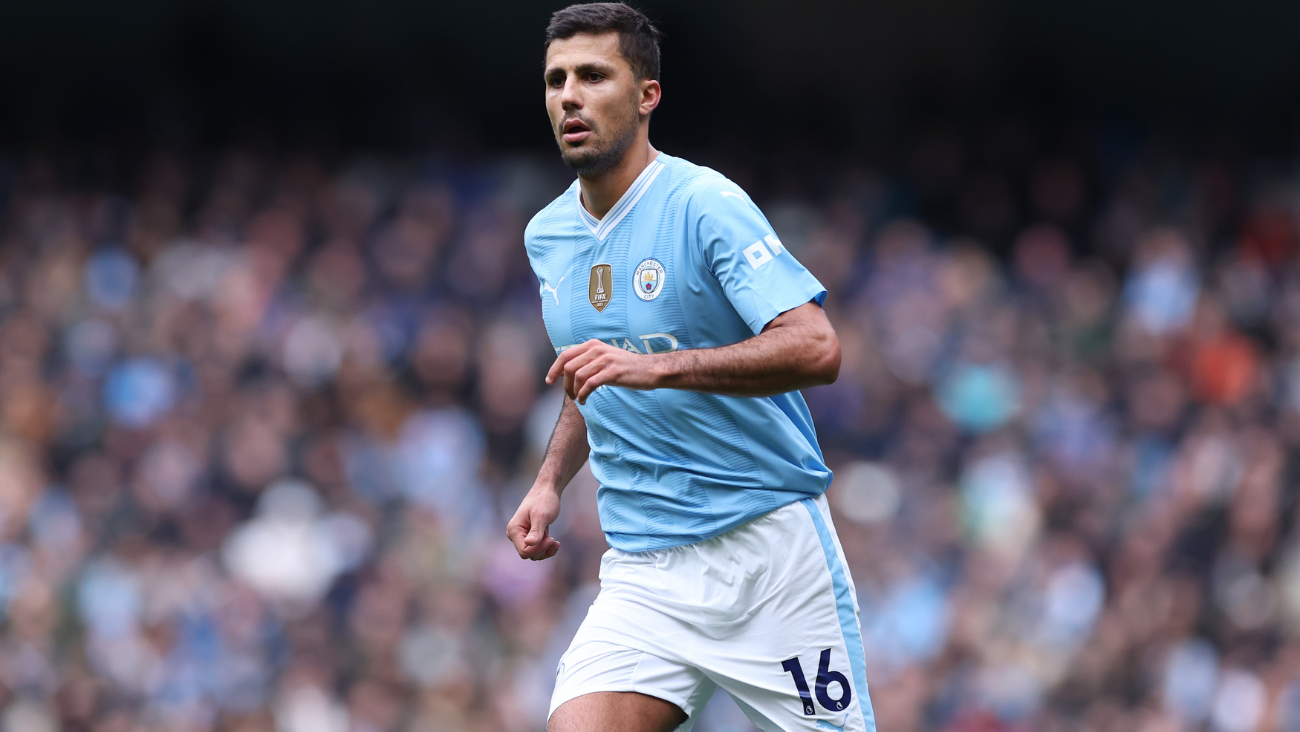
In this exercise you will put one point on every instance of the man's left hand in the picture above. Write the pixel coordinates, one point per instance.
(596, 363)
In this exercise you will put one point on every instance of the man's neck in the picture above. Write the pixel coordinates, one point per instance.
(599, 194)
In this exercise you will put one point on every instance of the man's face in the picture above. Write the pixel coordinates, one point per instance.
(594, 101)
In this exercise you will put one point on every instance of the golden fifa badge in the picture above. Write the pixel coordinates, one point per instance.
(601, 287)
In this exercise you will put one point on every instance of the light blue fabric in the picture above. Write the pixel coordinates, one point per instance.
(676, 467)
(848, 616)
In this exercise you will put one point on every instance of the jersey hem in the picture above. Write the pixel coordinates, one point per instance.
(688, 539)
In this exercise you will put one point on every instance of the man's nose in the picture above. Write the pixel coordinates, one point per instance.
(570, 98)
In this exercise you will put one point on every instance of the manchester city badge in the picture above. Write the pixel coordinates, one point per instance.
(648, 279)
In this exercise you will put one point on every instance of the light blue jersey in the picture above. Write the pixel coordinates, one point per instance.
(683, 260)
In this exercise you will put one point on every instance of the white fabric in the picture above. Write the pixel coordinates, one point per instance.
(673, 623)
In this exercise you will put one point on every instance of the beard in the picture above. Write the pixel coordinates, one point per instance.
(595, 160)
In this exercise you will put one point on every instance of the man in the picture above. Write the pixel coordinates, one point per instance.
(683, 330)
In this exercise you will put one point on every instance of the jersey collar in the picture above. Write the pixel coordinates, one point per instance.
(600, 228)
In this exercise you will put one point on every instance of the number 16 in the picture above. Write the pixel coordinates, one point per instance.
(825, 676)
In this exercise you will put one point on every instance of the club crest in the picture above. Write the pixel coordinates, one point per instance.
(601, 288)
(648, 279)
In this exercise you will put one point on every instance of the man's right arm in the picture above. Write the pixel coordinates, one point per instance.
(565, 454)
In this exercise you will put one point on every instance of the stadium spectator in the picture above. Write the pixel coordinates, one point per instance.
(261, 421)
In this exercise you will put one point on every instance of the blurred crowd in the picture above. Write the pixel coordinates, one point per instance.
(263, 419)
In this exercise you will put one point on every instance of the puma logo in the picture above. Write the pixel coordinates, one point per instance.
(554, 292)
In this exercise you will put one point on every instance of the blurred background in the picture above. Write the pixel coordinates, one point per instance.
(271, 354)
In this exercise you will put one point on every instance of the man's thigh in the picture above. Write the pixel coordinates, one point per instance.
(797, 662)
(626, 711)
(600, 683)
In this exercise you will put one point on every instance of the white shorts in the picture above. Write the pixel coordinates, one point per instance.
(767, 611)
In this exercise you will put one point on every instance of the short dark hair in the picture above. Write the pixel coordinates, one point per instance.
(638, 38)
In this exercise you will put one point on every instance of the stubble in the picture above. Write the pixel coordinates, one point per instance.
(595, 161)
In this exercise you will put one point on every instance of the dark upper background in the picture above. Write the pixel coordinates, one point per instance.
(1067, 481)
(815, 77)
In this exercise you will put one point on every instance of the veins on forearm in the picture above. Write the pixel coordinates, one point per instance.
(774, 362)
(567, 449)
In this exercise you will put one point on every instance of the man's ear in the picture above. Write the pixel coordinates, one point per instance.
(651, 93)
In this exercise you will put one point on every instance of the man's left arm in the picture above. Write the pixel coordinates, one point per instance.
(797, 349)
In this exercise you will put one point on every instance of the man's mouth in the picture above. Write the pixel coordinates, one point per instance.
(575, 131)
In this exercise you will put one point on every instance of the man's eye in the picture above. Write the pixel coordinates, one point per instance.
(556, 81)
(594, 77)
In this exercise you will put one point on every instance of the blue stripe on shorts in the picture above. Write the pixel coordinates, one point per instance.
(848, 619)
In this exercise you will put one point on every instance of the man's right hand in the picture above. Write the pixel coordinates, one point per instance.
(530, 526)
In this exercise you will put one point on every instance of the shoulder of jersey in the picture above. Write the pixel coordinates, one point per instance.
(710, 190)
(559, 208)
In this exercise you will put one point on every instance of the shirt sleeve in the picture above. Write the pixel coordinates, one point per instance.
(760, 277)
